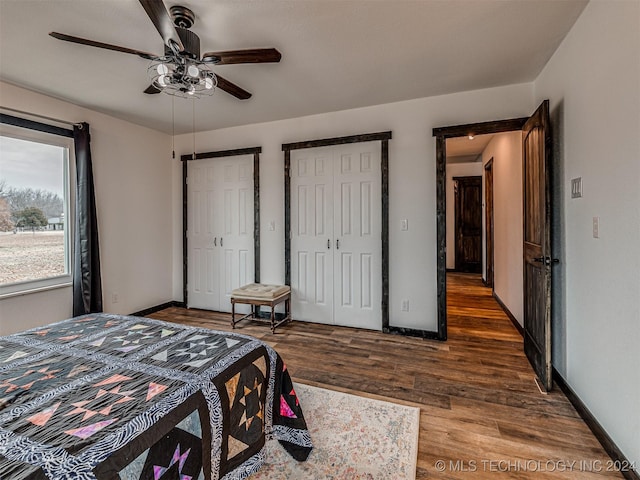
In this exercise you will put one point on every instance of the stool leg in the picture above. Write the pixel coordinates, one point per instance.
(273, 319)
(287, 309)
(233, 315)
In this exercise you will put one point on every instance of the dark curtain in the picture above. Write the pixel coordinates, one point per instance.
(87, 286)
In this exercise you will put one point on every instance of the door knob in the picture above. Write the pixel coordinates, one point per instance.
(546, 260)
(215, 241)
(328, 243)
(337, 244)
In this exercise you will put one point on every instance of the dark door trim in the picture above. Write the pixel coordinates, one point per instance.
(255, 151)
(384, 138)
(488, 215)
(441, 134)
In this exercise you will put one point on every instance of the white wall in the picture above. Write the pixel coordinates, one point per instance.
(593, 83)
(506, 151)
(132, 175)
(411, 181)
(456, 170)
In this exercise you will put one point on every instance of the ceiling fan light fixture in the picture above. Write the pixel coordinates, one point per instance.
(193, 71)
(175, 76)
(162, 69)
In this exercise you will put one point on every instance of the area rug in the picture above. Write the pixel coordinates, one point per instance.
(354, 438)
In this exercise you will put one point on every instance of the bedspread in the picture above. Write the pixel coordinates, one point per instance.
(112, 397)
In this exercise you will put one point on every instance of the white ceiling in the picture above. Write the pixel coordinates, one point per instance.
(463, 150)
(336, 54)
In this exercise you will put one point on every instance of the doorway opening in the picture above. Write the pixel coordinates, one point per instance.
(465, 151)
(473, 261)
(535, 258)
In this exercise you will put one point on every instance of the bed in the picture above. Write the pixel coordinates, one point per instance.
(114, 397)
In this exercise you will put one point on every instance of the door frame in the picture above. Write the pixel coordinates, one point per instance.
(384, 138)
(255, 151)
(488, 223)
(441, 134)
(456, 215)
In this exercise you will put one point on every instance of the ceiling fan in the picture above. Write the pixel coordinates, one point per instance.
(181, 70)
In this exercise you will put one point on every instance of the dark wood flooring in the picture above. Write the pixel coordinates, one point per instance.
(481, 411)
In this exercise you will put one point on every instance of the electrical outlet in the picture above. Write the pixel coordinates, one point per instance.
(404, 225)
(272, 226)
(596, 227)
(405, 305)
(114, 297)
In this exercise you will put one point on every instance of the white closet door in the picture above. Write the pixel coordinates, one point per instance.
(336, 245)
(236, 226)
(220, 239)
(312, 235)
(204, 277)
(358, 234)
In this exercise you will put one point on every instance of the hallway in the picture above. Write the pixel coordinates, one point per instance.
(472, 310)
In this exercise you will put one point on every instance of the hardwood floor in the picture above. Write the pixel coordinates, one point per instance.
(481, 411)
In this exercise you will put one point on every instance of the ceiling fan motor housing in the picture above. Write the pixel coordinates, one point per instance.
(190, 41)
(182, 16)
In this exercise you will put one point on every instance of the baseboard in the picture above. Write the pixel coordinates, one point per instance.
(509, 314)
(157, 308)
(413, 332)
(619, 459)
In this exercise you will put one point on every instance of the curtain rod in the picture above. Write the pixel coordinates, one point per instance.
(51, 119)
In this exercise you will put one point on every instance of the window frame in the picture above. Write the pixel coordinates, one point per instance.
(28, 130)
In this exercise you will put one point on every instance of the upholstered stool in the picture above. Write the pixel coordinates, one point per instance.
(260, 295)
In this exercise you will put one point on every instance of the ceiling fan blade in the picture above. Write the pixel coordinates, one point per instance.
(162, 21)
(255, 55)
(106, 46)
(152, 89)
(232, 88)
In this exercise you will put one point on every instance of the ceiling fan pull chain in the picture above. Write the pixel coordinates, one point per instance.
(193, 110)
(173, 128)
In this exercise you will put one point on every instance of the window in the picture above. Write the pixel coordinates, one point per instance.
(35, 209)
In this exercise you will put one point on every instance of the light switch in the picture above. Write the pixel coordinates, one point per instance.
(404, 225)
(596, 227)
(272, 226)
(576, 187)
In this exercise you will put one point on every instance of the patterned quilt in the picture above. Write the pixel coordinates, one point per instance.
(113, 397)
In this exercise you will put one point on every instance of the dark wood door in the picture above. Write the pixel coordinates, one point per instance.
(488, 209)
(537, 243)
(468, 224)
